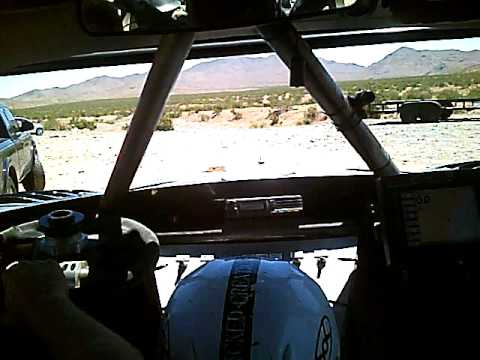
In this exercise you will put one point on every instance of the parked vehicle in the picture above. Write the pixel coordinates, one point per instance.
(19, 156)
(37, 126)
(422, 111)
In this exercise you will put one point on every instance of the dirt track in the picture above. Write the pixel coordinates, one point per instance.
(84, 159)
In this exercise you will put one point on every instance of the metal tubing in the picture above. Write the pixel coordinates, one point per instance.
(167, 64)
(288, 44)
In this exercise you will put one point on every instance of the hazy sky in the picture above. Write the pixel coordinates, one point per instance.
(362, 55)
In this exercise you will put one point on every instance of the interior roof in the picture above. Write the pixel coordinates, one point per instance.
(51, 37)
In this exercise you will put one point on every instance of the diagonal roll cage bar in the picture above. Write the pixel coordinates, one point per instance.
(172, 51)
(289, 45)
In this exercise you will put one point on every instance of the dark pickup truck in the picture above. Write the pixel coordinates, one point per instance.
(18, 154)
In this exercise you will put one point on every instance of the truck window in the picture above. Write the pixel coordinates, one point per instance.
(10, 122)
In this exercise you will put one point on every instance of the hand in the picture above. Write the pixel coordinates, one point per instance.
(29, 286)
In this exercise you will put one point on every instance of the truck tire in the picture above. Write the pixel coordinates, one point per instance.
(425, 111)
(11, 186)
(35, 180)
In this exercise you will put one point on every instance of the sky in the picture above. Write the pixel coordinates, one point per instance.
(362, 55)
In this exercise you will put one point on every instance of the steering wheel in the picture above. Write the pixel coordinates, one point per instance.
(85, 248)
(98, 256)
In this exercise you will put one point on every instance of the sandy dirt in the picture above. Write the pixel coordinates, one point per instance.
(84, 159)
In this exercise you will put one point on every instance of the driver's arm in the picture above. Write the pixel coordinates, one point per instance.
(36, 296)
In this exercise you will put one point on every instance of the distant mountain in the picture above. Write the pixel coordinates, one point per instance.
(238, 73)
(248, 72)
(410, 62)
(102, 87)
(233, 73)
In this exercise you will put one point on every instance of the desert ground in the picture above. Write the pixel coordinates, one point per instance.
(84, 159)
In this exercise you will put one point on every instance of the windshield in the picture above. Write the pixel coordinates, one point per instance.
(237, 118)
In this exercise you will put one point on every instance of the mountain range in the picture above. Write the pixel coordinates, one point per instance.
(240, 73)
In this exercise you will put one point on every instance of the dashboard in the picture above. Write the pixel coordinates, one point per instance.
(295, 214)
(229, 218)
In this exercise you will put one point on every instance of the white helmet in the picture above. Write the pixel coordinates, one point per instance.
(250, 308)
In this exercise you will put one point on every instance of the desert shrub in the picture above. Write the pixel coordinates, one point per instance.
(448, 94)
(125, 126)
(175, 113)
(217, 109)
(236, 115)
(54, 124)
(82, 124)
(310, 115)
(390, 94)
(165, 124)
(417, 93)
(274, 117)
(194, 108)
(124, 113)
(474, 93)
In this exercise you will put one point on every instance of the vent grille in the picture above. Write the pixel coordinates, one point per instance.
(263, 206)
(291, 204)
